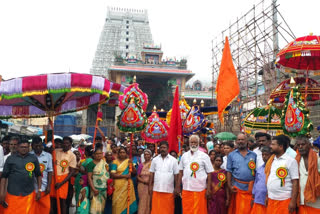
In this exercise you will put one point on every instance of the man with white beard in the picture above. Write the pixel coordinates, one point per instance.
(195, 167)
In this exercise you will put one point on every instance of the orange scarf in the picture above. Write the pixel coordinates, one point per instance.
(312, 189)
(267, 168)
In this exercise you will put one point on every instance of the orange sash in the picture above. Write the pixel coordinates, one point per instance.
(250, 184)
(312, 189)
(267, 168)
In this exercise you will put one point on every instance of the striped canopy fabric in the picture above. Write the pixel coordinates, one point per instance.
(54, 94)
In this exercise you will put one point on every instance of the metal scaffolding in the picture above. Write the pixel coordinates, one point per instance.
(254, 42)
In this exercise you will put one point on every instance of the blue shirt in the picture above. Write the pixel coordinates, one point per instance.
(237, 165)
(260, 188)
(45, 159)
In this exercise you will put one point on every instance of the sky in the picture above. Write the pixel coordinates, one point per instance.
(46, 36)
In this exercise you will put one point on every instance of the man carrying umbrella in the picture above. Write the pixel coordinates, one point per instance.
(66, 163)
(309, 169)
(19, 172)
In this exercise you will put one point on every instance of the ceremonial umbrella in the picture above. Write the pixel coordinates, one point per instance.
(225, 136)
(48, 95)
(132, 119)
(265, 117)
(156, 129)
(311, 87)
(194, 121)
(301, 54)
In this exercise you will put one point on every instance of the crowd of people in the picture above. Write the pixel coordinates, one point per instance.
(251, 175)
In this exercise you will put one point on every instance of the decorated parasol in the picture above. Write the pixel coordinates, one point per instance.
(48, 95)
(194, 121)
(133, 91)
(278, 95)
(156, 129)
(295, 116)
(265, 117)
(132, 119)
(225, 136)
(37, 96)
(300, 55)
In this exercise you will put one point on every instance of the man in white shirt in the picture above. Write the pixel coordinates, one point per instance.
(262, 139)
(195, 174)
(309, 169)
(164, 172)
(282, 178)
(227, 147)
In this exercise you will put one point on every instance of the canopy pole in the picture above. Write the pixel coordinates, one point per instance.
(95, 128)
(54, 164)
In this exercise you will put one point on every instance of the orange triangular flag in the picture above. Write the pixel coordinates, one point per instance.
(227, 87)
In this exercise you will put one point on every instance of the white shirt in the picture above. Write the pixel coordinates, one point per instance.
(275, 191)
(196, 181)
(260, 161)
(291, 152)
(303, 181)
(164, 170)
(224, 164)
(1, 159)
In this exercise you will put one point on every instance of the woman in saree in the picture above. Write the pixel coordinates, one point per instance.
(98, 176)
(219, 191)
(82, 171)
(143, 182)
(124, 195)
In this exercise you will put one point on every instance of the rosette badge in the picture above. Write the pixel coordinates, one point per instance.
(252, 166)
(30, 167)
(42, 168)
(282, 173)
(222, 178)
(64, 164)
(194, 167)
